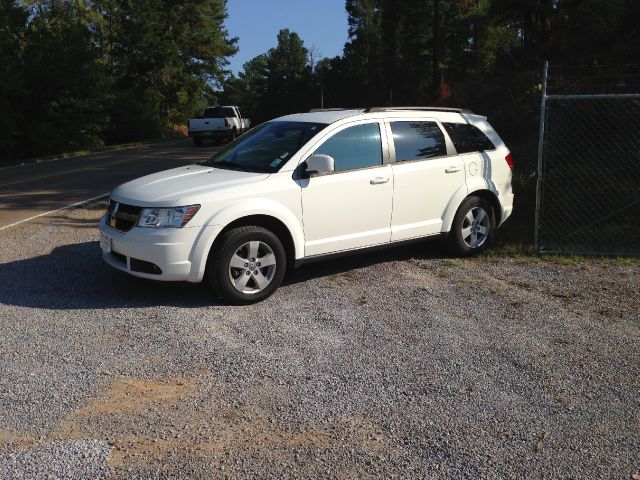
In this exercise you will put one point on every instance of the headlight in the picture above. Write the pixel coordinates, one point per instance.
(176, 217)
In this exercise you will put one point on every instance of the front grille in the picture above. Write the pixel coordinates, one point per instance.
(121, 216)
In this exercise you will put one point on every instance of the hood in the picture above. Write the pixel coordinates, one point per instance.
(164, 189)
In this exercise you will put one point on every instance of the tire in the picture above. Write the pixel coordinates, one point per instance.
(473, 227)
(237, 278)
(234, 135)
(197, 141)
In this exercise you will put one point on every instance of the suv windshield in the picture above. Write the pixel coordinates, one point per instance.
(267, 147)
(219, 112)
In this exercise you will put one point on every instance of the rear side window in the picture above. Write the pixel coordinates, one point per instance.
(354, 147)
(418, 140)
(468, 138)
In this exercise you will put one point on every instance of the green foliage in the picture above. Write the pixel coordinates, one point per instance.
(65, 81)
(13, 21)
(288, 76)
(275, 83)
(75, 74)
(166, 57)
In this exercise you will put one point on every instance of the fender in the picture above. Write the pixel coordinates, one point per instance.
(220, 219)
(475, 185)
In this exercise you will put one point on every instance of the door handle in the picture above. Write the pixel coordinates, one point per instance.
(452, 170)
(378, 180)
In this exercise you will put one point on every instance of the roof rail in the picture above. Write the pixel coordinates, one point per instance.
(332, 109)
(419, 109)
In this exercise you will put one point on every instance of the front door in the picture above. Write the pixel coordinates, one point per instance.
(350, 208)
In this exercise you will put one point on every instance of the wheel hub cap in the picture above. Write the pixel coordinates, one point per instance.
(252, 267)
(475, 227)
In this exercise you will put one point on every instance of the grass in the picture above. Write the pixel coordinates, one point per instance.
(526, 254)
(450, 262)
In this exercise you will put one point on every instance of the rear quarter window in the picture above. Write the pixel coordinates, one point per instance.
(468, 138)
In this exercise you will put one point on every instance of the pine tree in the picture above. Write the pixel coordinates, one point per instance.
(13, 21)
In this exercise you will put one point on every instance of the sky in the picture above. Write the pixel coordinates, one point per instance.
(321, 24)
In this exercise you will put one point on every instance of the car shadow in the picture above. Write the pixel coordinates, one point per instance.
(75, 277)
(427, 249)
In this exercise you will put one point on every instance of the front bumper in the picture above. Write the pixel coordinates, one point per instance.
(178, 253)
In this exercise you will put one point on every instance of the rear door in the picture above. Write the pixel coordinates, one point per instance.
(427, 174)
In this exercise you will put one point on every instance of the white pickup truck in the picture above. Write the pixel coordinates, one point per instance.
(224, 122)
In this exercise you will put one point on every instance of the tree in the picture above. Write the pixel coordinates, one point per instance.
(166, 58)
(13, 21)
(288, 75)
(250, 89)
(65, 82)
(362, 53)
(275, 83)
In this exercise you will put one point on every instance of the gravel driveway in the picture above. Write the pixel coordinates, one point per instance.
(398, 364)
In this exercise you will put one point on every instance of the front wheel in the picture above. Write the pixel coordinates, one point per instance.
(473, 227)
(247, 265)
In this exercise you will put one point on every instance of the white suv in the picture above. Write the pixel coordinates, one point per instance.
(305, 186)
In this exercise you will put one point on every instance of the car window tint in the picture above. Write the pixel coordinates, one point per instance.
(418, 140)
(468, 138)
(354, 147)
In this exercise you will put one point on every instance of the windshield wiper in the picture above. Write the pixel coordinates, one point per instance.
(225, 164)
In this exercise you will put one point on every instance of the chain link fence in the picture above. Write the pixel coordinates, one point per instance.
(588, 192)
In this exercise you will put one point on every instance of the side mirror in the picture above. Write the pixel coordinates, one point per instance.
(319, 164)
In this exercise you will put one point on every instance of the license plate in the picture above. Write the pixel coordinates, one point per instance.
(105, 242)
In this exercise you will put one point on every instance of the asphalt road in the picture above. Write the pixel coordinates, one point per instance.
(33, 189)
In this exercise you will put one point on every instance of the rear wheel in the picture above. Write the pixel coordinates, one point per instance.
(197, 141)
(473, 227)
(247, 265)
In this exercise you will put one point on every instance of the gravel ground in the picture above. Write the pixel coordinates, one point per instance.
(398, 364)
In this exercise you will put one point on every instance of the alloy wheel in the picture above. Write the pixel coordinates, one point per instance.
(476, 227)
(252, 267)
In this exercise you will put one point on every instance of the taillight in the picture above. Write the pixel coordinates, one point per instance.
(509, 160)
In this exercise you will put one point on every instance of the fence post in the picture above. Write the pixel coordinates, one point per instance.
(543, 113)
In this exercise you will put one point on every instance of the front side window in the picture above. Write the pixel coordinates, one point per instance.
(354, 147)
(267, 147)
(416, 140)
(468, 138)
